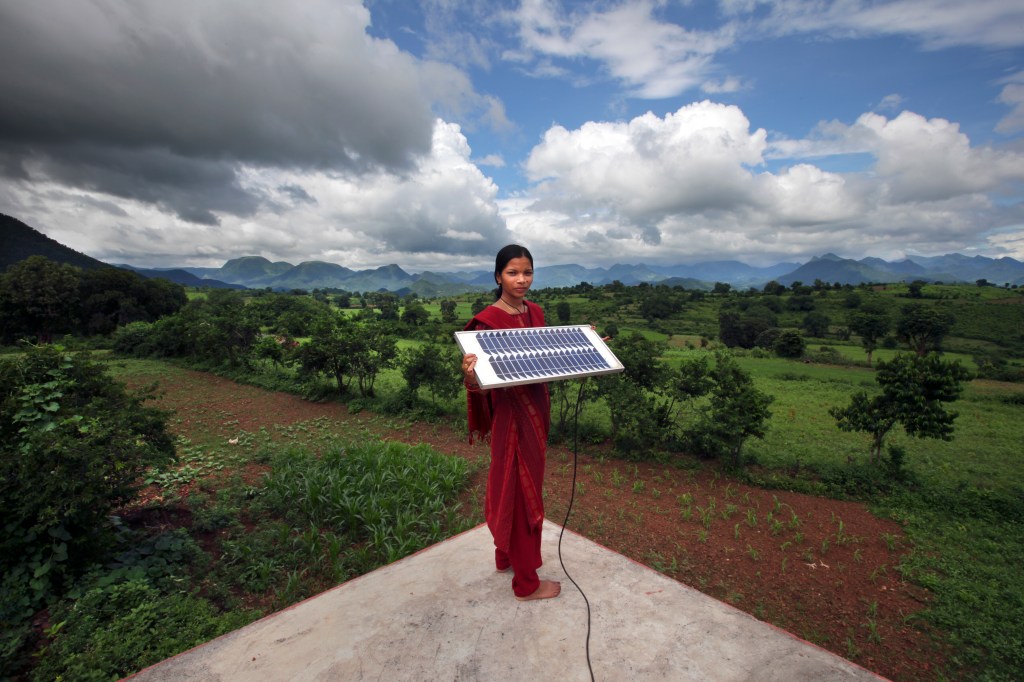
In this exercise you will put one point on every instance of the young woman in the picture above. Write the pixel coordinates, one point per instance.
(517, 419)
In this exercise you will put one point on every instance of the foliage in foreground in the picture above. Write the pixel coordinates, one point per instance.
(73, 443)
(315, 521)
(113, 632)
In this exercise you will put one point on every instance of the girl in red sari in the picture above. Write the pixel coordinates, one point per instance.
(517, 419)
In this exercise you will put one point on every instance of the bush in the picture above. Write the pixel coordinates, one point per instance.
(74, 444)
(789, 344)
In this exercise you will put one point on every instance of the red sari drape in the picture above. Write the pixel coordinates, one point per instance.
(517, 420)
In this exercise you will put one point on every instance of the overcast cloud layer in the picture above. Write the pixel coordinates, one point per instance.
(187, 133)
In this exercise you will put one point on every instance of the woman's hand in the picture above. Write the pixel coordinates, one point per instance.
(469, 367)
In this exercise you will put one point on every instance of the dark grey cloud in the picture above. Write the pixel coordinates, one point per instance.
(163, 101)
(297, 194)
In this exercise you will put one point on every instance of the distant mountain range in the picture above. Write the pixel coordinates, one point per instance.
(19, 241)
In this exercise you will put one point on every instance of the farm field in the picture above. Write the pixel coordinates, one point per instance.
(858, 580)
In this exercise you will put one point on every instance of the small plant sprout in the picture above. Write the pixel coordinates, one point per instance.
(753, 553)
(706, 513)
(890, 541)
(702, 536)
(685, 500)
(638, 486)
(751, 518)
(736, 531)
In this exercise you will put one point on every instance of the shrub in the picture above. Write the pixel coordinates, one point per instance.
(74, 444)
(789, 344)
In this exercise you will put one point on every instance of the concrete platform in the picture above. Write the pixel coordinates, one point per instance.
(445, 614)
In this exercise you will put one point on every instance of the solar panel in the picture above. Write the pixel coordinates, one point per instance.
(529, 355)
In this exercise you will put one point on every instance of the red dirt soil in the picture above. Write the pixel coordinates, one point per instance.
(825, 570)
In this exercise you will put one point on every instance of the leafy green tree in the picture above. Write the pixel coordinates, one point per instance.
(268, 347)
(639, 410)
(871, 323)
(113, 297)
(221, 328)
(286, 313)
(448, 315)
(816, 324)
(415, 315)
(800, 303)
(330, 349)
(922, 327)
(374, 348)
(388, 304)
(742, 328)
(914, 389)
(73, 444)
(729, 408)
(721, 288)
(659, 305)
(563, 312)
(39, 298)
(789, 344)
(434, 367)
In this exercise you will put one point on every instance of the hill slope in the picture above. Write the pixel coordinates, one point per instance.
(18, 241)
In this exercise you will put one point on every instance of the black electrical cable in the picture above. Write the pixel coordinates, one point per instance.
(572, 497)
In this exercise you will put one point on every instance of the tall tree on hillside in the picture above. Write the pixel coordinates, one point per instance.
(39, 298)
(922, 327)
(871, 324)
(448, 315)
(563, 311)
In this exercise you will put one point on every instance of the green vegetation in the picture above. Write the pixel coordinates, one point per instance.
(765, 380)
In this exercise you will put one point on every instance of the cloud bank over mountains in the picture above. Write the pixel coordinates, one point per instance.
(184, 133)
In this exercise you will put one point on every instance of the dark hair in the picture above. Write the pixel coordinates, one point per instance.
(506, 254)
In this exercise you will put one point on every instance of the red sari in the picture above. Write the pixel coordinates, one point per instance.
(517, 419)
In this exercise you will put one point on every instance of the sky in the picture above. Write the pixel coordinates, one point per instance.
(430, 134)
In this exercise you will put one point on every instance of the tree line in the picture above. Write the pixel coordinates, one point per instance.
(41, 299)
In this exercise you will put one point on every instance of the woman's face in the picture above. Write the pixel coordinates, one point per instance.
(516, 278)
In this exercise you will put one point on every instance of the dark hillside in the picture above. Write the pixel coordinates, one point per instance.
(18, 241)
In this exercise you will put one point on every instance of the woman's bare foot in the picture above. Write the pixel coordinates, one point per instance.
(547, 590)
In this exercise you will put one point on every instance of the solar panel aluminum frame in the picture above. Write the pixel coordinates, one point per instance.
(531, 355)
